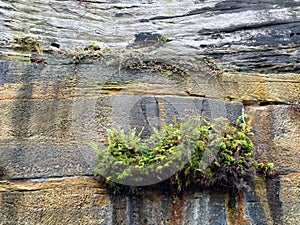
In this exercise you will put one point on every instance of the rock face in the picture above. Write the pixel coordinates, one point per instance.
(261, 36)
(52, 104)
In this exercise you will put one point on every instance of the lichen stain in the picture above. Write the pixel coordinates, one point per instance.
(260, 89)
(235, 209)
(176, 215)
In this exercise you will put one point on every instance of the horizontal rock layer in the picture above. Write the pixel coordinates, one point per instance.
(259, 36)
(81, 200)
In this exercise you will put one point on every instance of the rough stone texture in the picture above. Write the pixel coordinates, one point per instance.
(277, 131)
(80, 200)
(48, 115)
(258, 89)
(264, 38)
(290, 194)
(76, 200)
(277, 135)
(50, 107)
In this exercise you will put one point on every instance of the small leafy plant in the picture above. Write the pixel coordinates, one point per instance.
(132, 61)
(163, 39)
(265, 167)
(92, 52)
(214, 67)
(193, 153)
(162, 68)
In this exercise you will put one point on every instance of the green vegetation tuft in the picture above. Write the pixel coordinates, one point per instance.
(30, 44)
(213, 158)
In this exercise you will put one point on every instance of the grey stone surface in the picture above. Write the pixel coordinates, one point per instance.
(49, 137)
(155, 112)
(256, 212)
(50, 112)
(264, 38)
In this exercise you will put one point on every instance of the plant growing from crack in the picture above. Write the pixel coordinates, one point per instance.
(30, 44)
(93, 52)
(155, 66)
(265, 167)
(163, 39)
(135, 61)
(132, 61)
(215, 68)
(233, 166)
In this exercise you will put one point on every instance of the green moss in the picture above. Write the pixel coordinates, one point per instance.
(135, 61)
(132, 61)
(230, 161)
(29, 44)
(163, 39)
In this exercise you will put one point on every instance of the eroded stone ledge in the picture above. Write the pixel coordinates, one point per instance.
(81, 200)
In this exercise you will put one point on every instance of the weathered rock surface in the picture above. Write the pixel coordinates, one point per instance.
(48, 117)
(279, 135)
(76, 200)
(80, 200)
(260, 36)
(49, 112)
